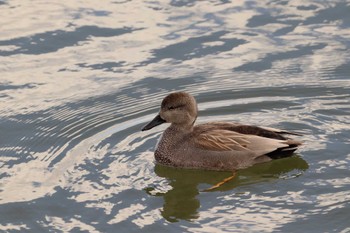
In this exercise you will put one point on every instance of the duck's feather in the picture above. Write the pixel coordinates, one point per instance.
(279, 131)
(226, 140)
(222, 140)
(249, 129)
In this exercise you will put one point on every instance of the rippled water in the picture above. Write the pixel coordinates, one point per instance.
(79, 79)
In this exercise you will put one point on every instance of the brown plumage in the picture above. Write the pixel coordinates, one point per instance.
(215, 145)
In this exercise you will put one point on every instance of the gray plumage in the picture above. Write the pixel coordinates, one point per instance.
(219, 146)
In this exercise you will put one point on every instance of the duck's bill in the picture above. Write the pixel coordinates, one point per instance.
(156, 121)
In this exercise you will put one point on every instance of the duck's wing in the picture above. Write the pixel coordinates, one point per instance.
(248, 129)
(226, 140)
(279, 131)
(222, 140)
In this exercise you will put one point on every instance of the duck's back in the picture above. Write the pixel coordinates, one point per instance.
(249, 130)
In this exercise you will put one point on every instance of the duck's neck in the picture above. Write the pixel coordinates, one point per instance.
(181, 128)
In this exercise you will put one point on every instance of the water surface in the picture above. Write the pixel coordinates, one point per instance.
(80, 79)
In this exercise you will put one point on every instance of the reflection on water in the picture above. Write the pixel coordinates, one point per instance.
(78, 80)
(181, 201)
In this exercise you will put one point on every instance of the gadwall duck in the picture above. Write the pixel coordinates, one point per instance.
(221, 146)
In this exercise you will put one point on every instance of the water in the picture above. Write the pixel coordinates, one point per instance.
(80, 79)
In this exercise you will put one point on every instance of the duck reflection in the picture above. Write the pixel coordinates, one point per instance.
(181, 201)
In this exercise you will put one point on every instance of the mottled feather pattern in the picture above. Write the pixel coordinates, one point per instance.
(221, 146)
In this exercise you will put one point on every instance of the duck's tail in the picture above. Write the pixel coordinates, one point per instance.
(285, 151)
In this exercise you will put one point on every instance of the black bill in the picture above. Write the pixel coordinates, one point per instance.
(156, 121)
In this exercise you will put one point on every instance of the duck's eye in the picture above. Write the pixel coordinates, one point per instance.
(176, 107)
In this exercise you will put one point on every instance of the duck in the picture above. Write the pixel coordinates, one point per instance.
(219, 146)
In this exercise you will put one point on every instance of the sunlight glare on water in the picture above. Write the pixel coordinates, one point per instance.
(79, 79)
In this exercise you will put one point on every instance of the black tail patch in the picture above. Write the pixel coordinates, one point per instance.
(282, 152)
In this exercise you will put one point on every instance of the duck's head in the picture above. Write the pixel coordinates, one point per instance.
(178, 108)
